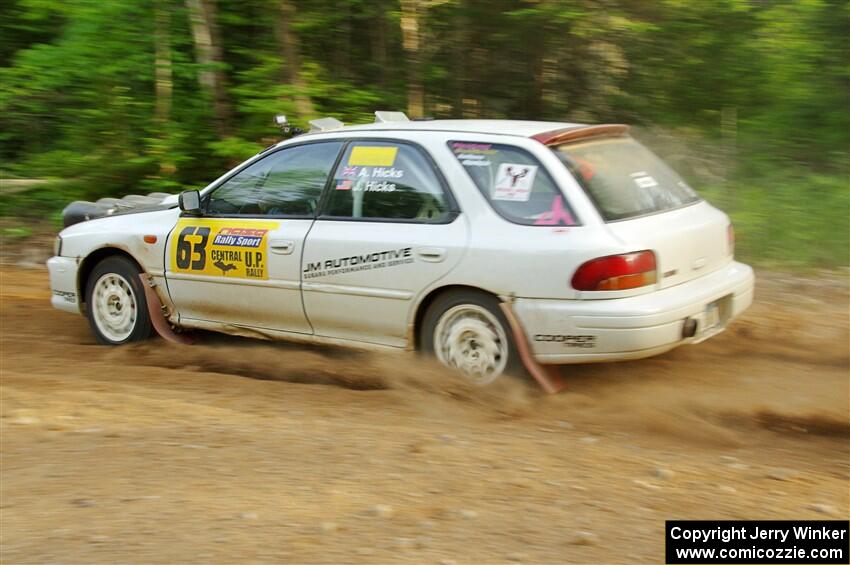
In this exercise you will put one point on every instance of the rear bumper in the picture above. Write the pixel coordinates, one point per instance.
(583, 331)
(63, 284)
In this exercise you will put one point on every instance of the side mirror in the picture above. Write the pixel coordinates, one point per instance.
(190, 202)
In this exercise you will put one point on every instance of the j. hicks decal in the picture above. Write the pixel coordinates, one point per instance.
(221, 248)
(356, 263)
(363, 185)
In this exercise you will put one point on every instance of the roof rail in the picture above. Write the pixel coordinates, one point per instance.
(325, 124)
(383, 116)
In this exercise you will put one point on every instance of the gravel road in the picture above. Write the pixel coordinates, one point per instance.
(240, 451)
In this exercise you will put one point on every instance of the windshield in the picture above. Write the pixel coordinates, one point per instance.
(623, 178)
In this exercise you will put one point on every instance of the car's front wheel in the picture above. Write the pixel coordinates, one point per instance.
(116, 305)
(468, 331)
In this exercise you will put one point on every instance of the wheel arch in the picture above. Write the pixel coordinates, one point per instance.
(92, 259)
(433, 295)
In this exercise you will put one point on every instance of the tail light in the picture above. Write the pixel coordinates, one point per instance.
(730, 238)
(617, 272)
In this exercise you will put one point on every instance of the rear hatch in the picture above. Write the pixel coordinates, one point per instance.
(647, 205)
(688, 242)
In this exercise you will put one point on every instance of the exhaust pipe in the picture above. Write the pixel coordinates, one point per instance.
(689, 328)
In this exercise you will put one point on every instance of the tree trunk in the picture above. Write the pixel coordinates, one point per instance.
(410, 40)
(533, 55)
(292, 61)
(342, 41)
(163, 84)
(378, 37)
(459, 49)
(209, 55)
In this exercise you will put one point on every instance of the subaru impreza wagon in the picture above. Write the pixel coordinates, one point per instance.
(491, 244)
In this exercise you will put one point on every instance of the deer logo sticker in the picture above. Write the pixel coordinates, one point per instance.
(514, 182)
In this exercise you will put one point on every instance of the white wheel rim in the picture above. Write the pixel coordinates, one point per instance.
(471, 339)
(114, 307)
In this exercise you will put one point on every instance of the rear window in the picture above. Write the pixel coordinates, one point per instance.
(625, 179)
(515, 183)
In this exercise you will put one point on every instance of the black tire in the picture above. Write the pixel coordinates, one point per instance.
(138, 325)
(446, 302)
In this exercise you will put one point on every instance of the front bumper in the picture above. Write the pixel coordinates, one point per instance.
(63, 284)
(584, 331)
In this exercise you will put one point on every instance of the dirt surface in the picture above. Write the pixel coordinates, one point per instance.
(237, 451)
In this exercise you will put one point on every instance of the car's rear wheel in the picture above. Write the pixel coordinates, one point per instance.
(467, 330)
(116, 305)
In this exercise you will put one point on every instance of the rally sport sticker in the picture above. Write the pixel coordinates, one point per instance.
(221, 248)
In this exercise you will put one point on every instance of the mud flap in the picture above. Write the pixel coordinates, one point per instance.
(548, 377)
(160, 324)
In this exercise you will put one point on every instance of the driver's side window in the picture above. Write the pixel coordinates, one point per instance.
(288, 182)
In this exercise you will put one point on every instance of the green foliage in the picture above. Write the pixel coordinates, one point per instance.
(109, 98)
(789, 220)
(13, 233)
(234, 148)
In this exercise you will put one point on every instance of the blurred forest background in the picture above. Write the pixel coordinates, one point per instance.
(747, 99)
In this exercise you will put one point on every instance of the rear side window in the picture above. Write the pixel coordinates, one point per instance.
(515, 183)
(386, 181)
(625, 179)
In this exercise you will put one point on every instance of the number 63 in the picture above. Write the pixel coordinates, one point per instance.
(192, 254)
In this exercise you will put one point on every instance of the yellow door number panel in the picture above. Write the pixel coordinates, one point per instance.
(221, 248)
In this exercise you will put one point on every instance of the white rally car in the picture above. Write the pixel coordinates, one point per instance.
(491, 244)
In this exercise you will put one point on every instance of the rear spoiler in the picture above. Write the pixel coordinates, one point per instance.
(574, 133)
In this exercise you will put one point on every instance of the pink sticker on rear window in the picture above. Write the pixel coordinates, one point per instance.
(557, 215)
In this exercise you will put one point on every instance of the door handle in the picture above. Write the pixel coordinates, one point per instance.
(282, 246)
(432, 254)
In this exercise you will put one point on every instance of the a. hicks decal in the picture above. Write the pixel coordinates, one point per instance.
(221, 248)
